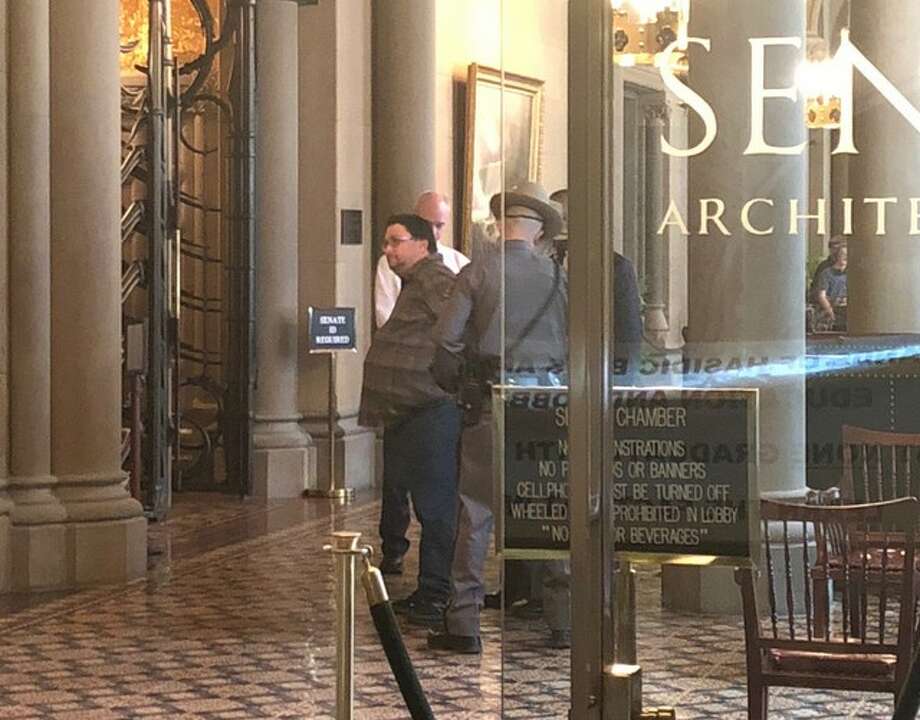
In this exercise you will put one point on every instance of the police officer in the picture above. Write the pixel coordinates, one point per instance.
(469, 335)
(627, 304)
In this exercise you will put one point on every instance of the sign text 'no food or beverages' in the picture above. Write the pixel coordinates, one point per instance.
(684, 474)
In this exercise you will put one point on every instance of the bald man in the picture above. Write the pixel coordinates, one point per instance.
(435, 209)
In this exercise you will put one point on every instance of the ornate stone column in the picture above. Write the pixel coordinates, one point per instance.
(284, 459)
(656, 320)
(882, 276)
(107, 532)
(39, 532)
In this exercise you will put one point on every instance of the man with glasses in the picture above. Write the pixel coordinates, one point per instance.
(529, 342)
(421, 421)
(434, 208)
(394, 514)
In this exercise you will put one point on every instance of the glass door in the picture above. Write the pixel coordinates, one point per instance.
(734, 169)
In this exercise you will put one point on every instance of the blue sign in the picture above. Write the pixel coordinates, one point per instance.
(331, 329)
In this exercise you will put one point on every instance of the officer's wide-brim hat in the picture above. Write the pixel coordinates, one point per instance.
(533, 196)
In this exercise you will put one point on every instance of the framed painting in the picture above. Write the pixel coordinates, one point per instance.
(495, 101)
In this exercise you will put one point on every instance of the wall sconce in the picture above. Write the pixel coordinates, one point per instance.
(642, 29)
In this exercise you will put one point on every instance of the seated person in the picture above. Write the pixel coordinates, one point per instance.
(831, 290)
(833, 246)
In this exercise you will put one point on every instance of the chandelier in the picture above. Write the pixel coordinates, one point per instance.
(187, 36)
(643, 29)
(820, 80)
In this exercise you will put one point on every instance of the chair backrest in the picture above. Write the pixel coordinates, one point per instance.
(879, 465)
(867, 549)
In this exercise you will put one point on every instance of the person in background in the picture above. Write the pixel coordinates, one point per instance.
(434, 208)
(524, 580)
(479, 336)
(833, 245)
(627, 304)
(421, 421)
(831, 290)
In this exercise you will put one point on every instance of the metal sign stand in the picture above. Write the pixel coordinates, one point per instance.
(334, 490)
(625, 676)
(736, 408)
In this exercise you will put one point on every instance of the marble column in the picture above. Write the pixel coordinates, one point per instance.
(747, 290)
(335, 145)
(107, 532)
(656, 255)
(882, 271)
(284, 459)
(39, 532)
(404, 75)
(405, 61)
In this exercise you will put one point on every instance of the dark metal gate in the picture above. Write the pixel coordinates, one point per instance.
(188, 232)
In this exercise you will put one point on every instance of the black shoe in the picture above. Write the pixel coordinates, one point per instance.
(391, 565)
(493, 601)
(427, 613)
(526, 609)
(405, 605)
(560, 639)
(463, 644)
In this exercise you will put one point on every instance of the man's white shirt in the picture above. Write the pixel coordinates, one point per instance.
(387, 283)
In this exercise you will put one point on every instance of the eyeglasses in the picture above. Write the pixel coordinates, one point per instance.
(394, 241)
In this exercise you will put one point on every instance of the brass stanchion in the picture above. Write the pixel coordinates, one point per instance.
(345, 549)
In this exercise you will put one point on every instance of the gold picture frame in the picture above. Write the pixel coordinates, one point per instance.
(497, 101)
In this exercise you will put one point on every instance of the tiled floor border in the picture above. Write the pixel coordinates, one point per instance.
(87, 598)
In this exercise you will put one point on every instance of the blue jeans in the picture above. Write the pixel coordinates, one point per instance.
(420, 460)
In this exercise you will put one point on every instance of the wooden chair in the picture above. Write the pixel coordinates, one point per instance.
(788, 644)
(879, 465)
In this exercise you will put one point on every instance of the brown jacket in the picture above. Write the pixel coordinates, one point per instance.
(397, 381)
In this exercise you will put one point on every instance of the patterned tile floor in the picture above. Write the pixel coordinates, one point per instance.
(235, 620)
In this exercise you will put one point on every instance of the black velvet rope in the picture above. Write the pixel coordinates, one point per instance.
(400, 663)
